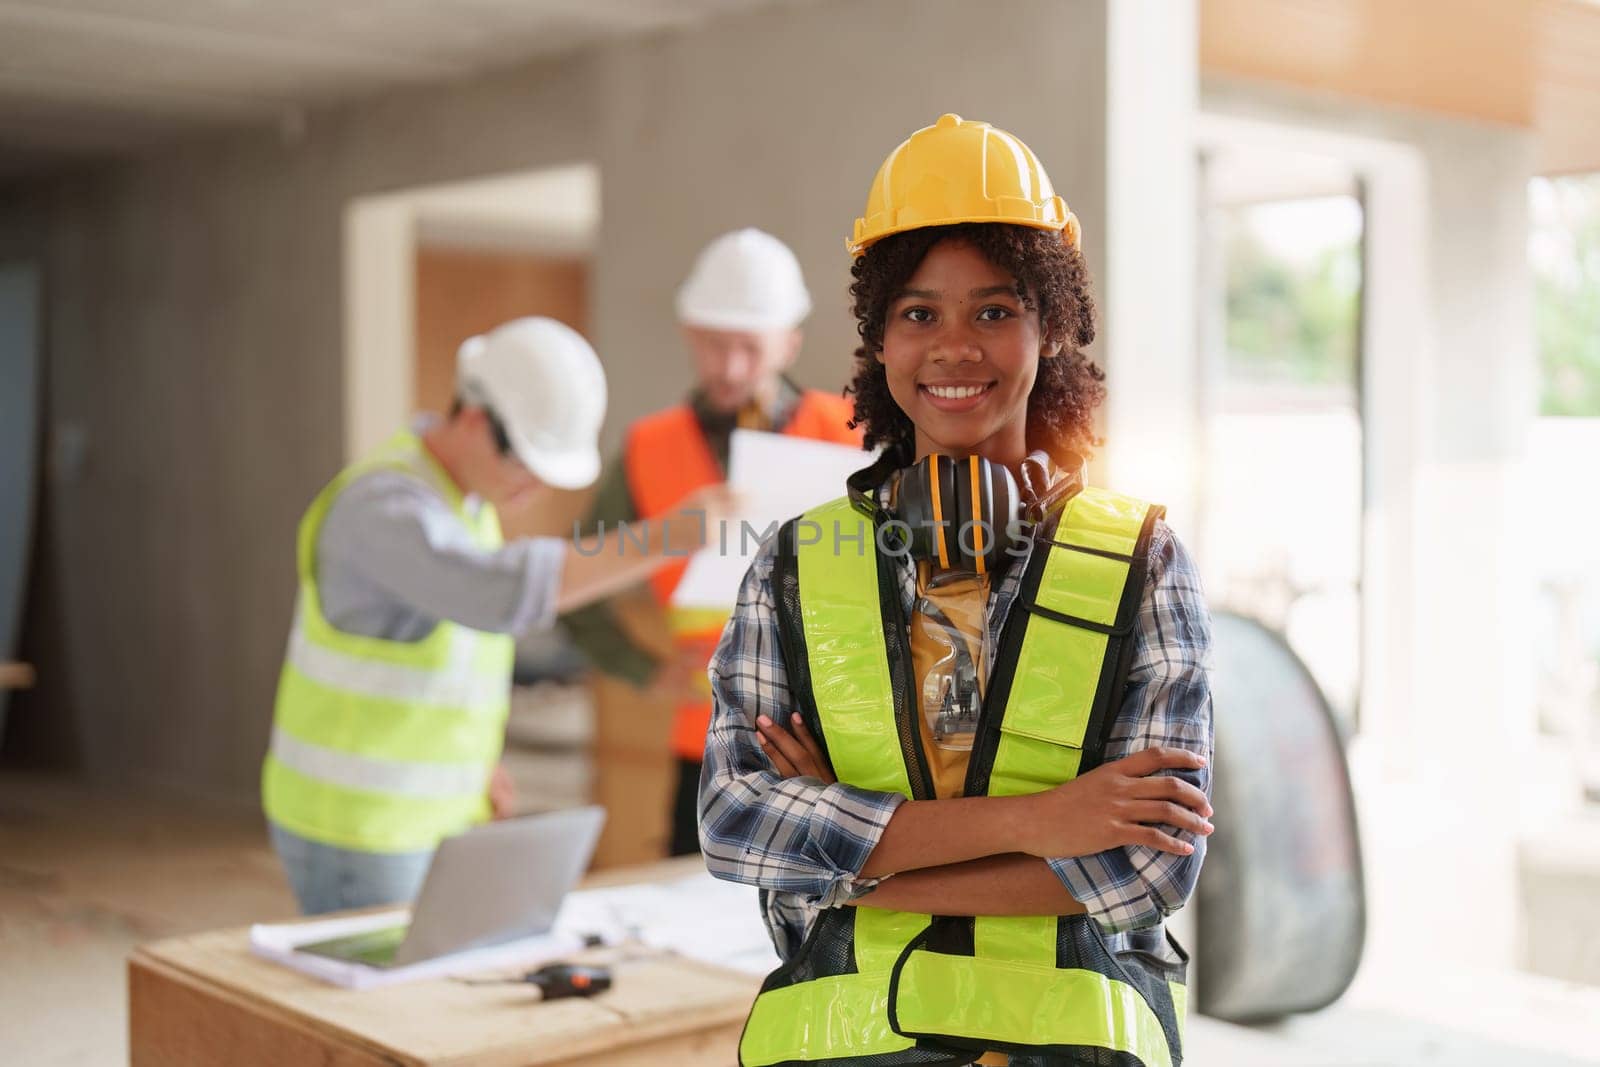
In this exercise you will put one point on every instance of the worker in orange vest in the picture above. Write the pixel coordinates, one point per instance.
(740, 309)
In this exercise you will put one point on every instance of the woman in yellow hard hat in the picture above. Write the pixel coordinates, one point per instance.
(962, 714)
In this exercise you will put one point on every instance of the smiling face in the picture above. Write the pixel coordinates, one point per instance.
(960, 352)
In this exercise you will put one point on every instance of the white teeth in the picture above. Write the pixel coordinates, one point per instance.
(954, 392)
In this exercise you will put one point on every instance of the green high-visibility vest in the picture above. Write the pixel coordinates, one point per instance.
(876, 988)
(385, 746)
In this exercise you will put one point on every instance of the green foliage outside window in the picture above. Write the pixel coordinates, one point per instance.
(1564, 250)
(1292, 319)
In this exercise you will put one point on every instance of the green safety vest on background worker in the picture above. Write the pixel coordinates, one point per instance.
(377, 745)
(877, 988)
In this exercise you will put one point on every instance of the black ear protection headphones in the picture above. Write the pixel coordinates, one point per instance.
(962, 513)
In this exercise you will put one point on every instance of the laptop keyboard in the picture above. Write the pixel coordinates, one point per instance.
(374, 947)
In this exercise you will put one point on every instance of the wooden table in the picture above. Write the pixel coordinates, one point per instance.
(207, 999)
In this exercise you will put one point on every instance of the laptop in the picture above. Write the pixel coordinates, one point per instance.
(494, 883)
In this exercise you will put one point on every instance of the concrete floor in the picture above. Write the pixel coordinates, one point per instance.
(85, 875)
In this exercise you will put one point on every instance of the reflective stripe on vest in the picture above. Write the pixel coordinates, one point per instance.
(460, 681)
(348, 770)
(1005, 991)
(666, 458)
(385, 746)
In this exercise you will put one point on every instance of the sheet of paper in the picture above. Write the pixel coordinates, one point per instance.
(698, 917)
(779, 477)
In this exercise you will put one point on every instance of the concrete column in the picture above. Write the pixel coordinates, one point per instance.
(1476, 650)
(1147, 277)
(1474, 579)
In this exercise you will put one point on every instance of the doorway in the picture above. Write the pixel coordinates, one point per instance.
(425, 269)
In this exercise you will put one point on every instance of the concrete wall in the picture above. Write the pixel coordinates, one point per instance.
(194, 324)
(193, 336)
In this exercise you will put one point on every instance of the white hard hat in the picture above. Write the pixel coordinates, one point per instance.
(745, 280)
(544, 383)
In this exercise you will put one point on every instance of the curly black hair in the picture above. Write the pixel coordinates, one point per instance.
(1051, 279)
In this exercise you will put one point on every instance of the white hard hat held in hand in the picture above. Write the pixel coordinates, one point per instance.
(544, 383)
(745, 280)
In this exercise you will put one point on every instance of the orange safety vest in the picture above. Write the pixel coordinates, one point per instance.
(667, 458)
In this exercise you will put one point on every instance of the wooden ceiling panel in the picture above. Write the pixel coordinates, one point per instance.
(1463, 57)
(1567, 112)
(1532, 63)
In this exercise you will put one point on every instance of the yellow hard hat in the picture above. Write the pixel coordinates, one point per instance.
(959, 171)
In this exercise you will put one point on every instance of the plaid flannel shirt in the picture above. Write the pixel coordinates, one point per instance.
(804, 843)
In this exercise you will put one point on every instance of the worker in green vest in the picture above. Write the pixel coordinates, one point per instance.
(962, 715)
(392, 702)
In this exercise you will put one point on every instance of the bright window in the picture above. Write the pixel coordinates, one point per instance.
(1283, 478)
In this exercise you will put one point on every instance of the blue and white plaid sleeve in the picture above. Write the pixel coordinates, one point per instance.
(788, 835)
(1168, 703)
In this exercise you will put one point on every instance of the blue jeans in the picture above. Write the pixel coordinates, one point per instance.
(325, 878)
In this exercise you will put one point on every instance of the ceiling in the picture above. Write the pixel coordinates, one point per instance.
(83, 78)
